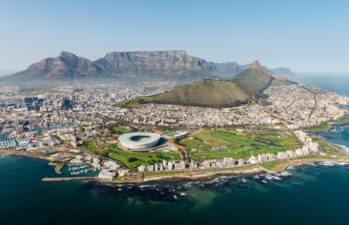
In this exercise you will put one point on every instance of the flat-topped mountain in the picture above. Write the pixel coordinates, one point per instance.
(207, 93)
(153, 64)
(259, 78)
(147, 61)
(148, 65)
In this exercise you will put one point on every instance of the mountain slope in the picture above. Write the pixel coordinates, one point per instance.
(206, 93)
(130, 66)
(171, 65)
(259, 78)
(222, 69)
(152, 64)
(67, 66)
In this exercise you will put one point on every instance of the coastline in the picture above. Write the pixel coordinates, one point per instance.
(275, 167)
(247, 171)
(329, 125)
(207, 175)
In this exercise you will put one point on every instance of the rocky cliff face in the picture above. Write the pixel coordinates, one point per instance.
(67, 66)
(223, 69)
(259, 78)
(173, 65)
(154, 61)
(151, 64)
(258, 67)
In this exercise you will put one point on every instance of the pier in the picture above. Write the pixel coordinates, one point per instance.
(58, 179)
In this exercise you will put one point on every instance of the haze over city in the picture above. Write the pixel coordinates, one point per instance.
(301, 35)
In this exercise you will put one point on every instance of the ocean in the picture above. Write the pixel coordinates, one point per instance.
(315, 193)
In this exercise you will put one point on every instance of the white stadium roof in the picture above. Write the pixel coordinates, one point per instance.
(139, 140)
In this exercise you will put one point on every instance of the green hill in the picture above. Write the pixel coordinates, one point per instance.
(259, 78)
(206, 93)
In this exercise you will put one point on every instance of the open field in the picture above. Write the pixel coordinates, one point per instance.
(132, 160)
(343, 121)
(272, 165)
(120, 129)
(327, 148)
(327, 126)
(322, 127)
(280, 166)
(237, 144)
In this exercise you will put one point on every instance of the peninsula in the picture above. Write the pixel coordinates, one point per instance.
(114, 129)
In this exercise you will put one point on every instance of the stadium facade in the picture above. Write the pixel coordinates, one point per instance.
(138, 140)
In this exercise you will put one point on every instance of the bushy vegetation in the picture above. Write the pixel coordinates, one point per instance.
(129, 104)
(203, 93)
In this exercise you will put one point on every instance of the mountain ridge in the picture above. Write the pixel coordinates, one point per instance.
(245, 87)
(163, 65)
(259, 78)
(205, 93)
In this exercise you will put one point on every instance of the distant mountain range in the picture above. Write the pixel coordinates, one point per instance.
(245, 87)
(148, 65)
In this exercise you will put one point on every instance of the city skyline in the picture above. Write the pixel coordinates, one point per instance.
(302, 36)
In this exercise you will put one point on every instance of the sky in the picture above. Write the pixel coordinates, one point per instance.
(304, 35)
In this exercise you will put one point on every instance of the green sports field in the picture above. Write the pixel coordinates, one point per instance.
(238, 144)
(134, 159)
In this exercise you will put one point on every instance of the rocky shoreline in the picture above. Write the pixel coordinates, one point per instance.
(186, 175)
(330, 126)
(190, 175)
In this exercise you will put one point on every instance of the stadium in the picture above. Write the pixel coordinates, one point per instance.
(138, 141)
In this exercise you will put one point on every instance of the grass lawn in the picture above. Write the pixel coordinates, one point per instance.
(270, 166)
(342, 121)
(92, 147)
(121, 129)
(172, 134)
(325, 126)
(130, 160)
(134, 159)
(149, 175)
(239, 145)
(327, 148)
(195, 143)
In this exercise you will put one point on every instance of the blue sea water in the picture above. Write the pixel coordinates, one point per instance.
(338, 136)
(339, 83)
(316, 193)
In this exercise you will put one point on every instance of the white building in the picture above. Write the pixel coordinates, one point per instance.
(106, 175)
(282, 155)
(111, 165)
(290, 153)
(253, 160)
(262, 158)
(141, 168)
(228, 162)
(122, 172)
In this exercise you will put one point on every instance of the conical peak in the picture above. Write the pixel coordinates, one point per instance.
(255, 65)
